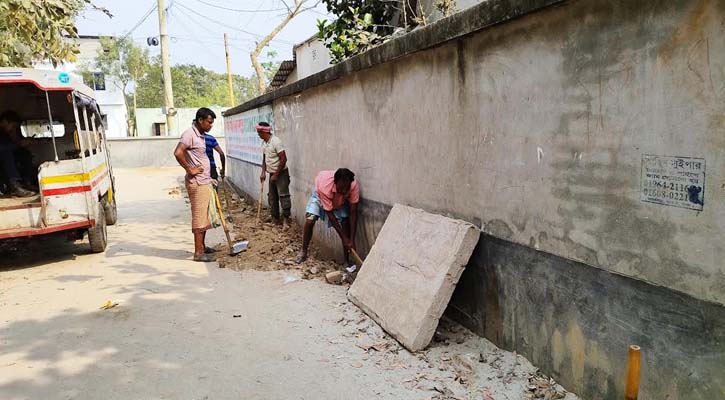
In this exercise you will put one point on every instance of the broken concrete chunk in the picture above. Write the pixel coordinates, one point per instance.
(411, 272)
(334, 277)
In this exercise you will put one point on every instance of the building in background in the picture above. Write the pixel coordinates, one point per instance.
(151, 122)
(308, 58)
(109, 95)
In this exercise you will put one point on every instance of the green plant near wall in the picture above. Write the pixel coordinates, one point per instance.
(360, 25)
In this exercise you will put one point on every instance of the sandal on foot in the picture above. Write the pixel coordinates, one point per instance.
(203, 258)
(301, 258)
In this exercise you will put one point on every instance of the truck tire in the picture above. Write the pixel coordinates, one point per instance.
(111, 212)
(98, 236)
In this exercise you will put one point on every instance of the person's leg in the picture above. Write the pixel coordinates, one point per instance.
(10, 170)
(273, 199)
(198, 244)
(306, 238)
(285, 198)
(7, 161)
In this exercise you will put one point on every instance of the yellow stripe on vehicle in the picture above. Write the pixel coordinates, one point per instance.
(83, 177)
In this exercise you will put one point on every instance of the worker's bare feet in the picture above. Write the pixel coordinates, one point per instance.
(301, 257)
(285, 224)
(277, 222)
(209, 250)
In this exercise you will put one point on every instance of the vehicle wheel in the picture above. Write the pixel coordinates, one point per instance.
(97, 235)
(111, 212)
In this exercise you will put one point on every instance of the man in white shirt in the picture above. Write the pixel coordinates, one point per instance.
(274, 163)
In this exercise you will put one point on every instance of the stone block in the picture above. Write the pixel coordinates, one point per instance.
(410, 274)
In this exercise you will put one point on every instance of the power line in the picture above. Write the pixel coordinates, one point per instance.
(143, 19)
(240, 10)
(229, 26)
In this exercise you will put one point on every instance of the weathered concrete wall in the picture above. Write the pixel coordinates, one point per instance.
(536, 130)
(147, 117)
(575, 322)
(146, 152)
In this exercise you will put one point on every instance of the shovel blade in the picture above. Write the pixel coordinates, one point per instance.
(239, 247)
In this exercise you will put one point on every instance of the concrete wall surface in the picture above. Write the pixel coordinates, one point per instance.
(147, 152)
(546, 130)
(146, 117)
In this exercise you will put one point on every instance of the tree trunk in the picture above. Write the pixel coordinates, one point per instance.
(254, 55)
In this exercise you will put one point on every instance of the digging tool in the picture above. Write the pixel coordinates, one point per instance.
(235, 248)
(259, 207)
(357, 258)
(222, 193)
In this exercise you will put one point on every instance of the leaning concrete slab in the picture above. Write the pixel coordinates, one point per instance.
(411, 271)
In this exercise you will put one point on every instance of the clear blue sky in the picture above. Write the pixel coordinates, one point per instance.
(197, 27)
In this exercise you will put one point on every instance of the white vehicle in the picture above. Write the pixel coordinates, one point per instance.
(68, 147)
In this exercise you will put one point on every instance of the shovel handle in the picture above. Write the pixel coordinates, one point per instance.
(221, 214)
(259, 207)
(357, 258)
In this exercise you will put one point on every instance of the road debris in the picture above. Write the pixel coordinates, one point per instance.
(272, 248)
(541, 387)
(108, 305)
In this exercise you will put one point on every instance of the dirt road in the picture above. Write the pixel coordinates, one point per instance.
(185, 330)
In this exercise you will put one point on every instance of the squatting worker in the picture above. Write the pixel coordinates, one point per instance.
(191, 155)
(274, 163)
(335, 200)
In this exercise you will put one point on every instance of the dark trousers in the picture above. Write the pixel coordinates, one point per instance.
(279, 195)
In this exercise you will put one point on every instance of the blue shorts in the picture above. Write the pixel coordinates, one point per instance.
(314, 211)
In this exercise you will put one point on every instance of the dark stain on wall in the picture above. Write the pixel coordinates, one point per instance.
(575, 322)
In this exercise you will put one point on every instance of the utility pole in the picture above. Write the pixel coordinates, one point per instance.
(229, 70)
(166, 69)
(135, 83)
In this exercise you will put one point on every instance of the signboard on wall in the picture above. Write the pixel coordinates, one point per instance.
(673, 181)
(243, 143)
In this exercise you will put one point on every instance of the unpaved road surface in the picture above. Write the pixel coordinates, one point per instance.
(185, 330)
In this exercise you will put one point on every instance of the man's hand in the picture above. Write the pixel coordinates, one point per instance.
(194, 171)
(348, 244)
(262, 177)
(275, 176)
(222, 173)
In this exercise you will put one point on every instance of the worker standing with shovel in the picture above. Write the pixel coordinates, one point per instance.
(274, 163)
(191, 154)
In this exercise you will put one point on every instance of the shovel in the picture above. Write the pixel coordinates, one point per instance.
(259, 207)
(223, 195)
(235, 248)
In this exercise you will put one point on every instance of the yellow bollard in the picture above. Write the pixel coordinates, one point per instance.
(631, 391)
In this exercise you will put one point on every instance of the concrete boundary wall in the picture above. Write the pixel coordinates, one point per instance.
(554, 127)
(146, 152)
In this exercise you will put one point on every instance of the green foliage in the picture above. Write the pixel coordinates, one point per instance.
(34, 30)
(119, 58)
(360, 25)
(194, 86)
(270, 66)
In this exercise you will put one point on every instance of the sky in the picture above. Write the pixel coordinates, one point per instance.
(196, 28)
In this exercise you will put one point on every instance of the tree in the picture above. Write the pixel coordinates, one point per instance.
(121, 59)
(364, 24)
(297, 8)
(194, 86)
(33, 30)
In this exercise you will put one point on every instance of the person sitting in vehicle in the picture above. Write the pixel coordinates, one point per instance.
(12, 145)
